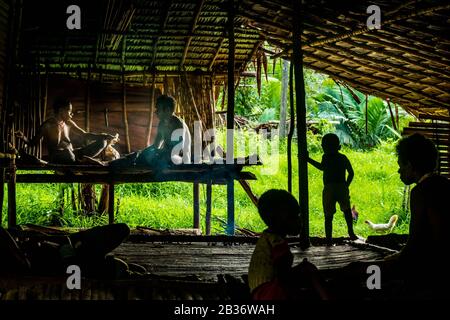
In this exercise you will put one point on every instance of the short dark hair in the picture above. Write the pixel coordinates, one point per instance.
(166, 102)
(60, 103)
(274, 202)
(419, 151)
(330, 141)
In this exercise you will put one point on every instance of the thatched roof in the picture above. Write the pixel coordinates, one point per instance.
(139, 36)
(407, 60)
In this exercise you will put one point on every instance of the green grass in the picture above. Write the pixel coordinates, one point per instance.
(376, 191)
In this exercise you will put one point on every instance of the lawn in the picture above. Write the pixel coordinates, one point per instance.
(376, 191)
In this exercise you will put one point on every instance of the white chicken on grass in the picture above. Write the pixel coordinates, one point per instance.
(383, 227)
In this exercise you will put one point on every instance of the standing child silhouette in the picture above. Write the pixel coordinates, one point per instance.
(335, 184)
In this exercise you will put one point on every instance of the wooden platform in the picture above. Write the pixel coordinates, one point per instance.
(196, 270)
(208, 260)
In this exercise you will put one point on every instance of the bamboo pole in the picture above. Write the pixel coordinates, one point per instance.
(124, 98)
(392, 115)
(152, 108)
(197, 12)
(367, 102)
(87, 114)
(291, 125)
(301, 124)
(230, 115)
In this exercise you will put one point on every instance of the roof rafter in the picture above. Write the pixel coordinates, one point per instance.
(198, 10)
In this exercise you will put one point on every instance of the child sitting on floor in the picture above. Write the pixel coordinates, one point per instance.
(271, 275)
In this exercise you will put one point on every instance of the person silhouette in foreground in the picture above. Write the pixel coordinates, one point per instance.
(56, 134)
(420, 269)
(423, 259)
(271, 275)
(335, 165)
(89, 249)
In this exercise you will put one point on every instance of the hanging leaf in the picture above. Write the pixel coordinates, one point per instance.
(265, 63)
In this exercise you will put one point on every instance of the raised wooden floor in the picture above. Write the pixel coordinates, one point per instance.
(208, 260)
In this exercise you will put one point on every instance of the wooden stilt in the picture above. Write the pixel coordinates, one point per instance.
(208, 208)
(196, 206)
(12, 214)
(2, 193)
(111, 203)
(230, 207)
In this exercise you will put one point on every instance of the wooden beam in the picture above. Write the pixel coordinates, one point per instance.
(303, 196)
(162, 26)
(198, 10)
(219, 46)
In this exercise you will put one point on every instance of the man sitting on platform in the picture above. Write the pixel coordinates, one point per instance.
(56, 134)
(172, 143)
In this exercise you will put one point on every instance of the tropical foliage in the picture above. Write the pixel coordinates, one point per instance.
(355, 127)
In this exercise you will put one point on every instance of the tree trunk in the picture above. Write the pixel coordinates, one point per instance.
(284, 89)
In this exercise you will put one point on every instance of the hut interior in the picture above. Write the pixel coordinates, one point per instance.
(125, 52)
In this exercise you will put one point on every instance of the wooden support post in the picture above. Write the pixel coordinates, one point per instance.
(12, 217)
(230, 207)
(208, 208)
(230, 102)
(301, 124)
(125, 113)
(196, 206)
(291, 126)
(124, 96)
(2, 193)
(111, 203)
(87, 113)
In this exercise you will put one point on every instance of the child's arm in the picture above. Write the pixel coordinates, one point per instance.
(350, 173)
(316, 164)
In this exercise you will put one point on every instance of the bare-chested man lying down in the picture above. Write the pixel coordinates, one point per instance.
(56, 130)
